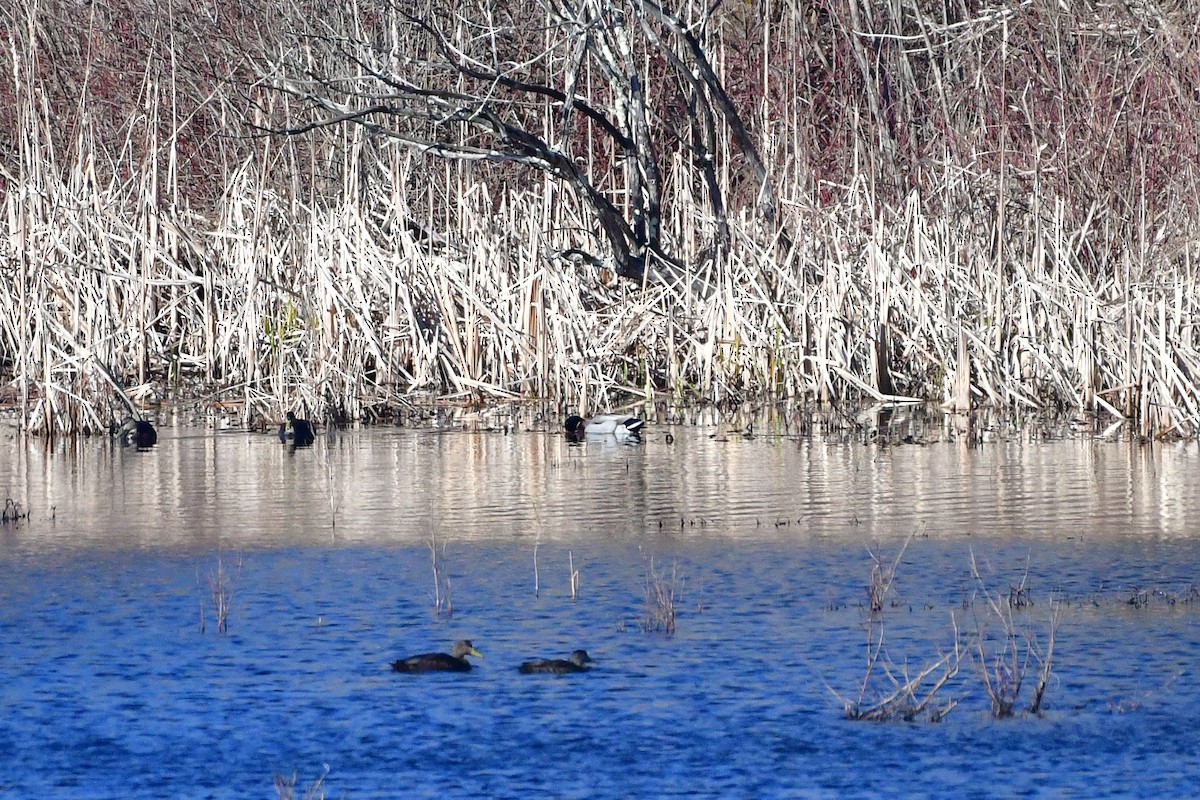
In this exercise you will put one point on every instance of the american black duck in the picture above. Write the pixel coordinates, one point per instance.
(454, 661)
(301, 431)
(576, 663)
(138, 433)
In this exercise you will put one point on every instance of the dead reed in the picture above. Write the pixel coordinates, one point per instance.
(220, 586)
(536, 578)
(951, 220)
(880, 586)
(661, 591)
(891, 689)
(1005, 659)
(443, 602)
(285, 787)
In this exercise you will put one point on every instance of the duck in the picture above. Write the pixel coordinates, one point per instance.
(302, 432)
(138, 432)
(622, 426)
(576, 663)
(454, 661)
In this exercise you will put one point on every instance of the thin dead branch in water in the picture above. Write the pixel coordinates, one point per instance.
(221, 588)
(1046, 660)
(536, 582)
(882, 578)
(442, 602)
(1003, 667)
(574, 575)
(890, 690)
(661, 591)
(332, 488)
(285, 787)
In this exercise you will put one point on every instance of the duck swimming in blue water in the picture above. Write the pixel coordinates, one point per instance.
(557, 666)
(622, 426)
(454, 661)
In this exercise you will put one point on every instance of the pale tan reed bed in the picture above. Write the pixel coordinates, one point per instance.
(956, 223)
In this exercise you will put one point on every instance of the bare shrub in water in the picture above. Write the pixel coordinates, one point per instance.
(285, 787)
(1005, 659)
(891, 690)
(661, 591)
(882, 578)
(220, 587)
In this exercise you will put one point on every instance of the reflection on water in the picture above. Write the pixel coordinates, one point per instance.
(248, 491)
(117, 684)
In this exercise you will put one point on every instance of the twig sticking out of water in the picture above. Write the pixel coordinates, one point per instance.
(1004, 670)
(907, 696)
(1046, 660)
(331, 486)
(888, 690)
(883, 576)
(661, 591)
(536, 586)
(285, 787)
(442, 604)
(221, 586)
(574, 576)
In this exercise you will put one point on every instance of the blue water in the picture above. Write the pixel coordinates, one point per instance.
(118, 684)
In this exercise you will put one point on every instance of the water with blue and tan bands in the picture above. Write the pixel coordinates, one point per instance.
(116, 683)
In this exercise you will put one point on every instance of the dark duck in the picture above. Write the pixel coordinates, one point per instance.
(576, 663)
(138, 433)
(454, 661)
(301, 431)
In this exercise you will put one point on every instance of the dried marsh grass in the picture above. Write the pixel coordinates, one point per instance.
(221, 590)
(990, 230)
(443, 602)
(1005, 658)
(891, 689)
(662, 588)
(285, 787)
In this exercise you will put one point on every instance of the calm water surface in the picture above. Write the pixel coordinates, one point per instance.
(117, 684)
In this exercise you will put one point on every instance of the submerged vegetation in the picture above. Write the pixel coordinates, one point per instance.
(274, 206)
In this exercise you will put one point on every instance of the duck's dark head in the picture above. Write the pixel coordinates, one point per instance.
(463, 648)
(580, 657)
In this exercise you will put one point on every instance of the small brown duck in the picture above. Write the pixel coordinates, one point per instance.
(577, 663)
(454, 661)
